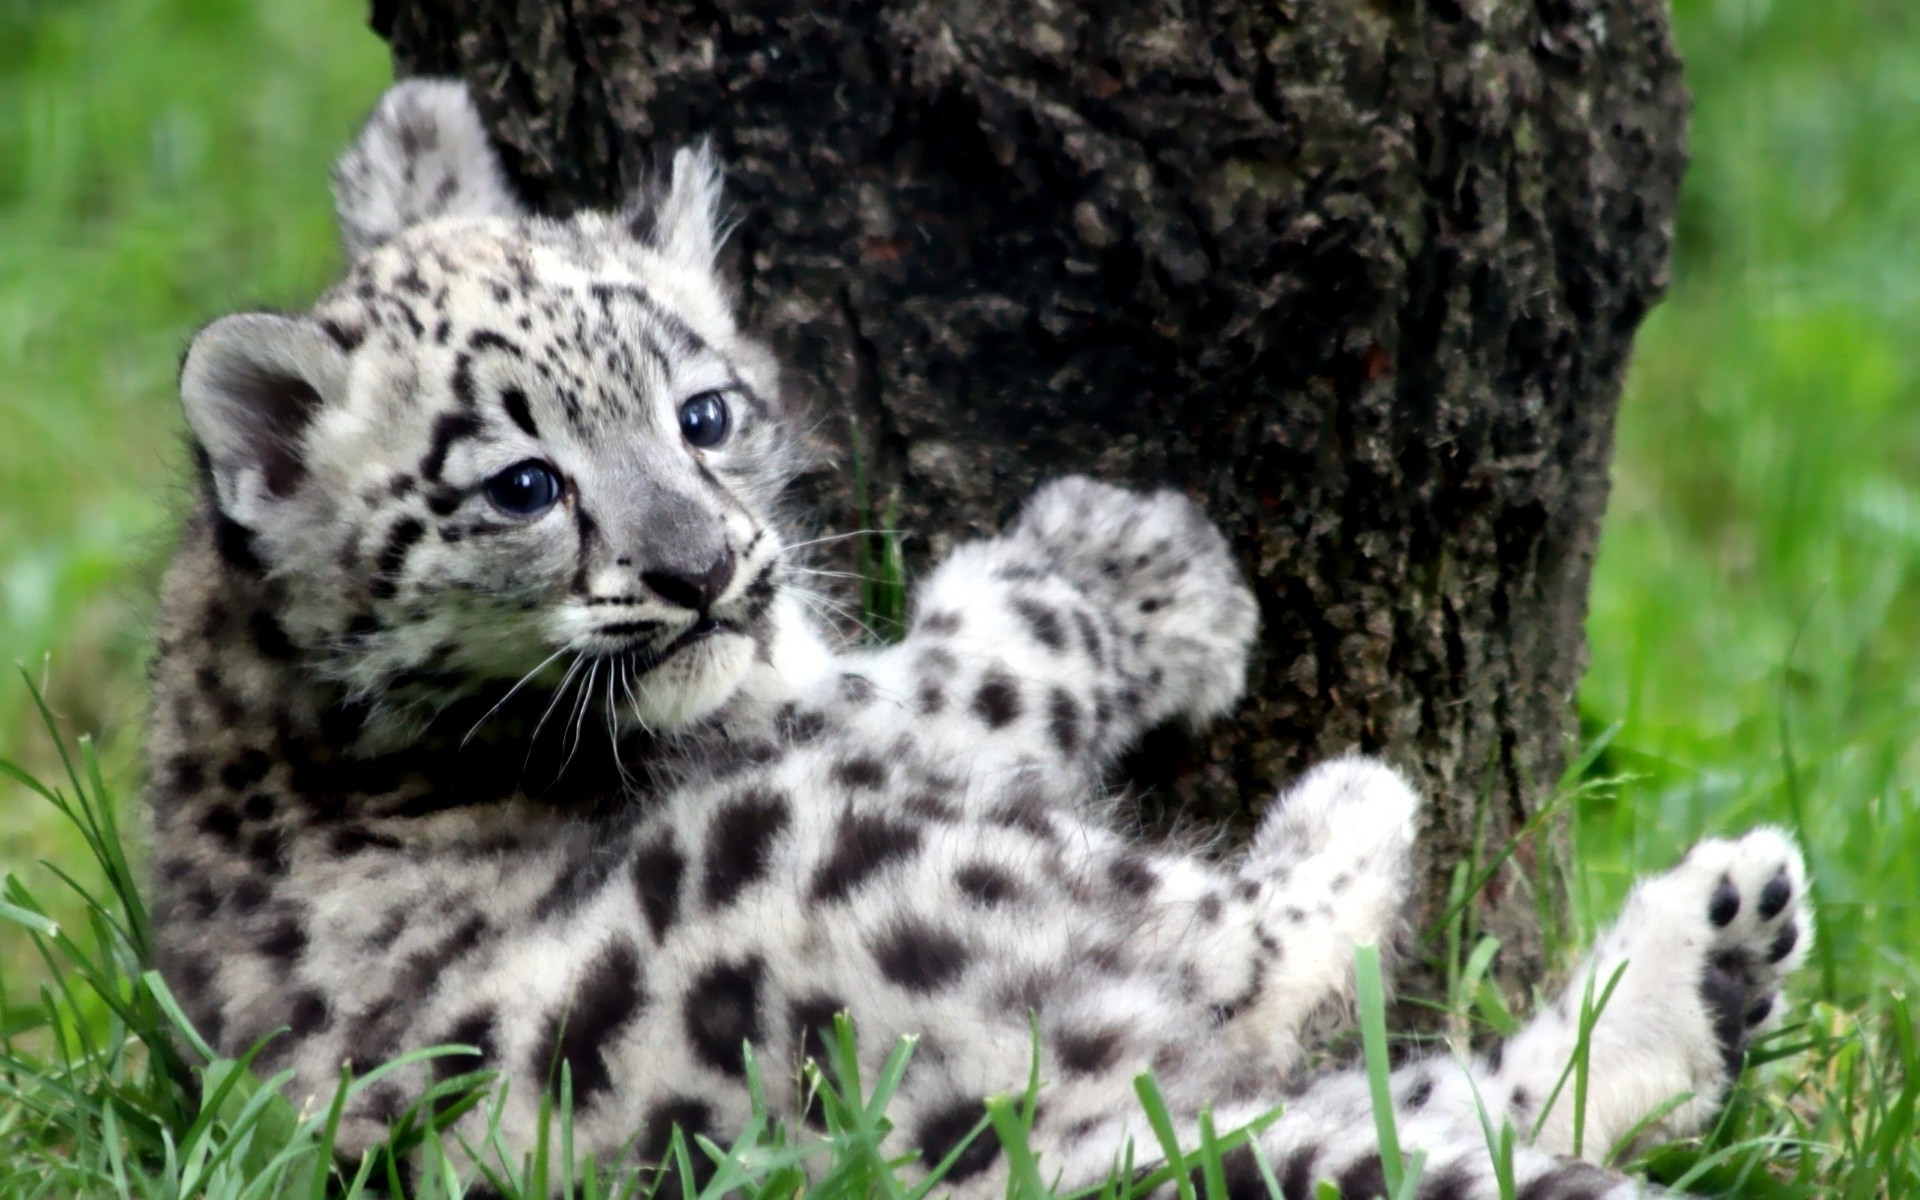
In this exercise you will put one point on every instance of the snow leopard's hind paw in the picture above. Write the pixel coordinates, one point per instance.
(1694, 965)
(1758, 928)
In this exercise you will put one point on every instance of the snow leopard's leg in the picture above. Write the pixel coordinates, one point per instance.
(1330, 868)
(1699, 953)
(1036, 657)
(1267, 940)
(1327, 1132)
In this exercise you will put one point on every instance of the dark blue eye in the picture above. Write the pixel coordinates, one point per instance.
(703, 420)
(525, 489)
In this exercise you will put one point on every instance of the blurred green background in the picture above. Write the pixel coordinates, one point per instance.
(1757, 602)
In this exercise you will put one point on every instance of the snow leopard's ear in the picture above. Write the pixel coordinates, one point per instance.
(251, 385)
(683, 221)
(423, 154)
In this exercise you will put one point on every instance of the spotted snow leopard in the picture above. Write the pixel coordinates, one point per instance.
(485, 713)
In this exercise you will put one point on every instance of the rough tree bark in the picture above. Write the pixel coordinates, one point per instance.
(1361, 277)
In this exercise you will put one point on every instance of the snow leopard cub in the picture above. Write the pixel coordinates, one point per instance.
(484, 713)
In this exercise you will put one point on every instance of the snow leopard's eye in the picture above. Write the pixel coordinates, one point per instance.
(525, 489)
(704, 420)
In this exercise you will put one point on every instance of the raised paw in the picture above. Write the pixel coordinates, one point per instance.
(1757, 925)
(1355, 808)
(1165, 579)
(1695, 962)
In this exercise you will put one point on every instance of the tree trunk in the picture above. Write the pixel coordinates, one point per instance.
(1360, 277)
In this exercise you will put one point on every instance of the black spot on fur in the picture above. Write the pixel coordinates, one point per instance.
(235, 545)
(246, 768)
(266, 851)
(1026, 810)
(986, 884)
(515, 402)
(285, 940)
(475, 1029)
(1454, 1182)
(1063, 720)
(997, 702)
(450, 428)
(347, 337)
(722, 1010)
(602, 1002)
(1296, 1174)
(811, 1019)
(657, 869)
(1085, 1053)
(938, 623)
(740, 844)
(1570, 1181)
(946, 1129)
(258, 807)
(801, 726)
(693, 1118)
(269, 637)
(308, 1013)
(578, 882)
(1130, 874)
(863, 846)
(221, 821)
(1042, 622)
(401, 539)
(860, 772)
(920, 957)
(357, 839)
(187, 773)
(245, 896)
(1365, 1178)
(931, 807)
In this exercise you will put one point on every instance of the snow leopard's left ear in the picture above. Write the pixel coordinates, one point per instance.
(682, 222)
(423, 154)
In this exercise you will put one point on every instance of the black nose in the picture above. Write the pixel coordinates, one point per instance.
(697, 592)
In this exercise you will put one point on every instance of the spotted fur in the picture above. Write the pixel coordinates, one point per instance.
(584, 790)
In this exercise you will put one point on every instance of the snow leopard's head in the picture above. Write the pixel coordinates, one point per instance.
(504, 447)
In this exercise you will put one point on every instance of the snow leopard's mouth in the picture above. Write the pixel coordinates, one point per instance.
(640, 659)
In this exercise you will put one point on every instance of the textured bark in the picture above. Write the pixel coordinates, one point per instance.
(1361, 277)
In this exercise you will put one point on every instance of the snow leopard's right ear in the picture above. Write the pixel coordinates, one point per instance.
(423, 154)
(251, 385)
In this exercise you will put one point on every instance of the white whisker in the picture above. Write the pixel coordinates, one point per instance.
(488, 715)
(841, 537)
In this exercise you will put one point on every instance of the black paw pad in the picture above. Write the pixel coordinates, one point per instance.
(1774, 896)
(1783, 942)
(1725, 905)
(1727, 988)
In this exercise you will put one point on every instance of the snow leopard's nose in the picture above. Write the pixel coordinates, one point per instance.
(687, 590)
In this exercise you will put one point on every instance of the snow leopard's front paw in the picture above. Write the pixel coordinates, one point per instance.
(1164, 576)
(1700, 954)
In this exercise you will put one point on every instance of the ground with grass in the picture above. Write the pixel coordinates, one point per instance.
(1755, 609)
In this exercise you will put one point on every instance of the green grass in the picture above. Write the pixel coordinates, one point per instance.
(1755, 610)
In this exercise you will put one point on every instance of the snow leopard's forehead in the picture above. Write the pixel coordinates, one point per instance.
(572, 318)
